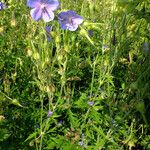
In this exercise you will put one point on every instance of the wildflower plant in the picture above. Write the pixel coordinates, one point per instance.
(68, 82)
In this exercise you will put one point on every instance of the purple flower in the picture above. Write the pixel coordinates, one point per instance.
(90, 32)
(146, 47)
(49, 113)
(81, 143)
(48, 29)
(43, 8)
(91, 103)
(69, 20)
(60, 123)
(2, 6)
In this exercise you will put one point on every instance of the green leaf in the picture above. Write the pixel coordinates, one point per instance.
(4, 134)
(31, 136)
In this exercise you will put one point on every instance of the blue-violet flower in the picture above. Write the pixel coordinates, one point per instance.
(43, 9)
(90, 103)
(2, 6)
(90, 33)
(146, 47)
(48, 29)
(60, 123)
(49, 113)
(69, 20)
(81, 143)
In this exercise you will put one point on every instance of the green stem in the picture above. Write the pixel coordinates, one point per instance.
(92, 79)
(41, 122)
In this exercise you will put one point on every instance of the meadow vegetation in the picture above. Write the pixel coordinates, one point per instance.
(74, 90)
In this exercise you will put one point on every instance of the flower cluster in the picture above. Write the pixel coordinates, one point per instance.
(44, 9)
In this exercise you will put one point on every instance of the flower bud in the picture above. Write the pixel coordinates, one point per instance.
(57, 39)
(1, 29)
(13, 23)
(29, 52)
(36, 56)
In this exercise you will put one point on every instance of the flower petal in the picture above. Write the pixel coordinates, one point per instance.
(73, 27)
(2, 6)
(71, 13)
(48, 28)
(63, 26)
(48, 38)
(62, 16)
(68, 26)
(33, 3)
(77, 20)
(47, 15)
(36, 13)
(52, 5)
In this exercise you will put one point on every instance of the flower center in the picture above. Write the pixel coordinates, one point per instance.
(42, 6)
(70, 20)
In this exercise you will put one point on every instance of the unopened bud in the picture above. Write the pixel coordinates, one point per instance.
(1, 29)
(29, 52)
(36, 56)
(13, 22)
(57, 39)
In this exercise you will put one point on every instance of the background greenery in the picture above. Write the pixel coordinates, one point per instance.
(106, 61)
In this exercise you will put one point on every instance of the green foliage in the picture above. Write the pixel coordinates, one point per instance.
(96, 86)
